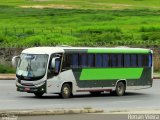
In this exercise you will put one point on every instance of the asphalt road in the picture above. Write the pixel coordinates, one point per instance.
(145, 99)
(76, 117)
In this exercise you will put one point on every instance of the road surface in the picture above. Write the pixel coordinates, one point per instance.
(76, 117)
(145, 99)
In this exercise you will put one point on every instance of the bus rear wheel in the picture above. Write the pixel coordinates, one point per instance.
(66, 91)
(120, 89)
(38, 94)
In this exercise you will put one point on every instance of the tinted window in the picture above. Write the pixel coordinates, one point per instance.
(126, 60)
(145, 60)
(83, 60)
(74, 63)
(90, 60)
(98, 60)
(139, 60)
(105, 60)
(133, 60)
(66, 61)
(113, 59)
(150, 60)
(120, 60)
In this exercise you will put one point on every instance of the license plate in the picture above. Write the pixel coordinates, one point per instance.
(26, 89)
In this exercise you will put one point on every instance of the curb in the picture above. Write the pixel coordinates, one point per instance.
(7, 76)
(133, 111)
(156, 77)
(32, 112)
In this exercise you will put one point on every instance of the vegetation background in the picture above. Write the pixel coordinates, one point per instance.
(26, 23)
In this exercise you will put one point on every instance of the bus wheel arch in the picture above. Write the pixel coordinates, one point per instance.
(120, 87)
(66, 90)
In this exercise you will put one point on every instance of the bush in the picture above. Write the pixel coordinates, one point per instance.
(97, 30)
(149, 29)
(6, 69)
(2, 38)
(152, 36)
(29, 32)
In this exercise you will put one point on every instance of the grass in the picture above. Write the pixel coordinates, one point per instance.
(31, 27)
(80, 23)
(6, 69)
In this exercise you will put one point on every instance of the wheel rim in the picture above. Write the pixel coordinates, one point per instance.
(66, 91)
(120, 89)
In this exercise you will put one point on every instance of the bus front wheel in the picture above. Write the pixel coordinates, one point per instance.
(66, 91)
(120, 89)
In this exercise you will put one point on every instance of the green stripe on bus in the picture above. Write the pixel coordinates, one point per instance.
(110, 73)
(142, 51)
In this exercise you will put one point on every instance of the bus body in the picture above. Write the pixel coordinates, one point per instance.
(66, 70)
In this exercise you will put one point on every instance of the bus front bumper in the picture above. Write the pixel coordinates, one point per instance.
(31, 89)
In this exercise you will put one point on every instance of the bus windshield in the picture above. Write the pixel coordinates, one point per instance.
(32, 65)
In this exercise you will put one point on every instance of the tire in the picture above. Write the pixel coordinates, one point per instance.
(38, 94)
(66, 91)
(120, 89)
(95, 93)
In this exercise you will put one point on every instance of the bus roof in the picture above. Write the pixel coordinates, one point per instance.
(43, 50)
(50, 50)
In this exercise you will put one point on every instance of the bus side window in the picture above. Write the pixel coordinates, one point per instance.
(98, 60)
(150, 60)
(105, 60)
(127, 60)
(120, 60)
(91, 60)
(134, 60)
(74, 61)
(82, 60)
(66, 62)
(140, 60)
(145, 60)
(113, 60)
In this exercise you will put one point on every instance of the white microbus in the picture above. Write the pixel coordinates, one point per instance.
(66, 70)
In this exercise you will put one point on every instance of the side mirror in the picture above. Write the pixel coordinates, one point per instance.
(15, 60)
(55, 64)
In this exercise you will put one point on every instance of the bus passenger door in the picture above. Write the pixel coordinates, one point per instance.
(54, 68)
